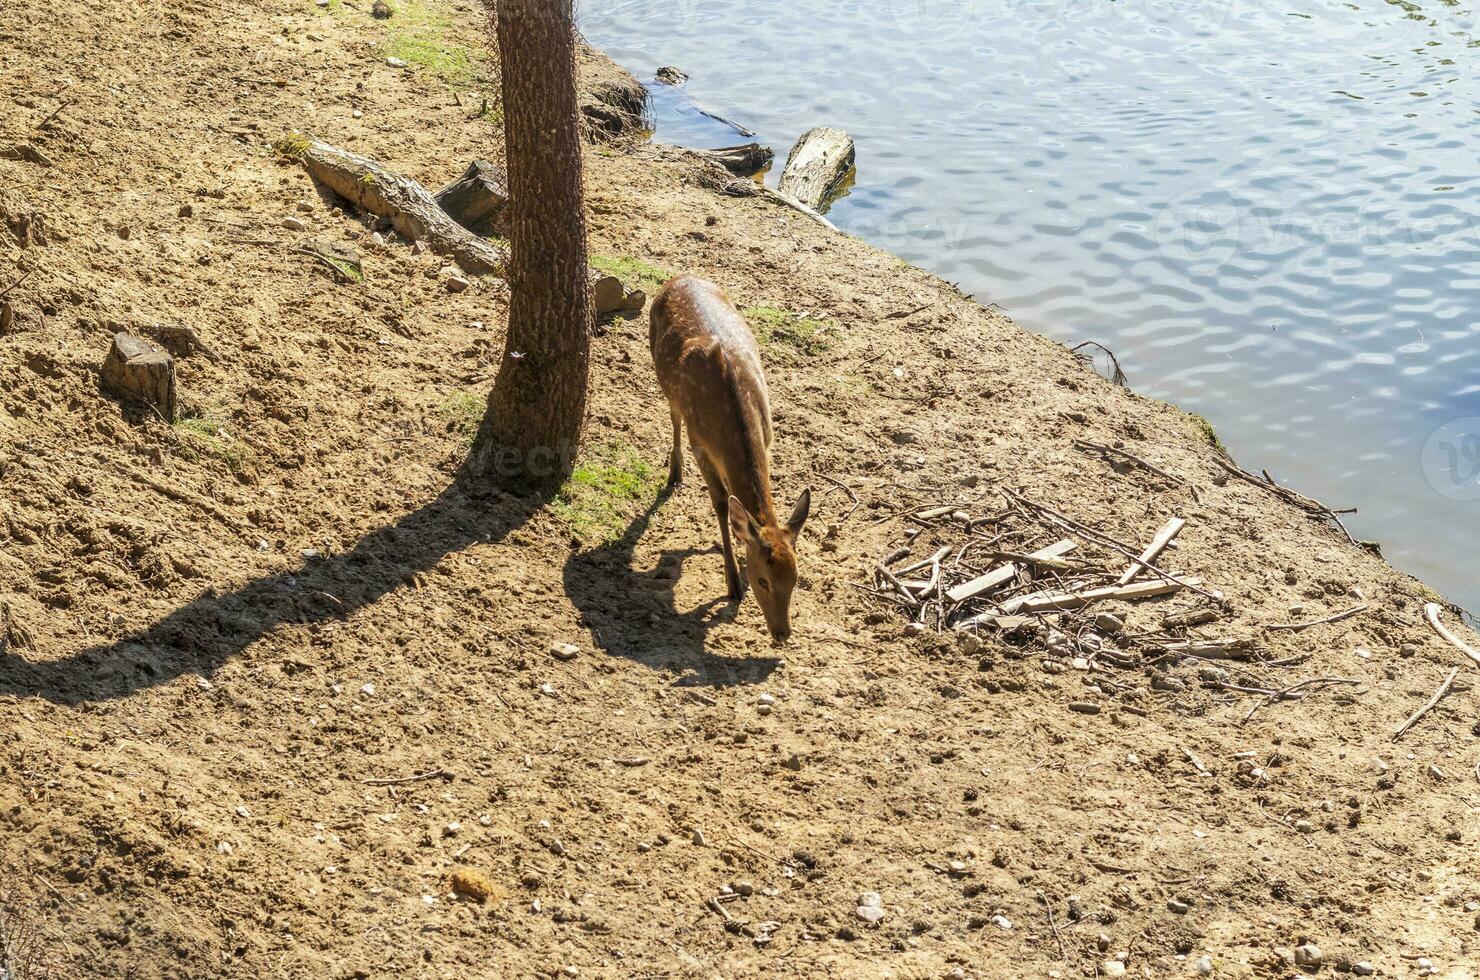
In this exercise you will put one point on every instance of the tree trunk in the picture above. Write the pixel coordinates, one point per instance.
(533, 424)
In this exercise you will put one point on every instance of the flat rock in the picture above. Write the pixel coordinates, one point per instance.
(869, 913)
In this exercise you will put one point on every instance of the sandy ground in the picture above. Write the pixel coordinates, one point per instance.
(219, 633)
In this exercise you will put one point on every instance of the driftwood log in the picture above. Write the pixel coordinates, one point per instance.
(136, 371)
(477, 199)
(408, 206)
(818, 166)
(744, 160)
(414, 212)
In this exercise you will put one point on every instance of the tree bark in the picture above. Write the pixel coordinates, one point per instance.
(532, 426)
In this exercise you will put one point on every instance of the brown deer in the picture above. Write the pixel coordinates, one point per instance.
(709, 367)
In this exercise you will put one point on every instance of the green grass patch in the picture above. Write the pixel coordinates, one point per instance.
(420, 34)
(463, 412)
(778, 328)
(634, 273)
(608, 486)
(201, 437)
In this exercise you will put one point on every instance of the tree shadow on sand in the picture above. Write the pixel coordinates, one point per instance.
(202, 635)
(634, 614)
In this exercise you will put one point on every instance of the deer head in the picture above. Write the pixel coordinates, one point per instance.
(771, 561)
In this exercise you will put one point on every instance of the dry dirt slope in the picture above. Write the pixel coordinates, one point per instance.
(190, 706)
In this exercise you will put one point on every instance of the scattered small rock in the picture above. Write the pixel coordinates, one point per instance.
(1205, 965)
(744, 888)
(1112, 968)
(873, 899)
(294, 224)
(395, 62)
(670, 75)
(1002, 922)
(473, 884)
(1308, 954)
(1108, 622)
(380, 10)
(698, 837)
(1363, 969)
(869, 913)
(564, 651)
(456, 283)
(186, 210)
(1178, 906)
(794, 763)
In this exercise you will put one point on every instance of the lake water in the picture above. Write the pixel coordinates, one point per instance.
(1267, 210)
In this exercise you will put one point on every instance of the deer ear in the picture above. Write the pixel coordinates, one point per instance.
(799, 513)
(742, 525)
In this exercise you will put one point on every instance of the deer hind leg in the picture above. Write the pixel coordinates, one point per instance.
(675, 459)
(719, 496)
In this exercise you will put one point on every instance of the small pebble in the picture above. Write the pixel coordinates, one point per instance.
(766, 699)
(744, 888)
(763, 709)
(869, 913)
(698, 837)
(368, 690)
(1002, 922)
(186, 210)
(357, 114)
(395, 62)
(1178, 906)
(564, 651)
(1305, 826)
(794, 763)
(376, 238)
(872, 899)
(1408, 650)
(1363, 969)
(1297, 609)
(1308, 954)
(1112, 968)
(456, 284)
(294, 224)
(1205, 965)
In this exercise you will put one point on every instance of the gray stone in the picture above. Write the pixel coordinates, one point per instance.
(869, 913)
(1308, 954)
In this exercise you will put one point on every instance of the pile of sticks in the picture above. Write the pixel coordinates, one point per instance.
(1021, 561)
(1037, 577)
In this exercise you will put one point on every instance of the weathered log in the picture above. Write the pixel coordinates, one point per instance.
(415, 214)
(818, 167)
(477, 199)
(409, 207)
(743, 160)
(134, 370)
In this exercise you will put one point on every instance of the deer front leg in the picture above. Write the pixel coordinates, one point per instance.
(675, 459)
(720, 498)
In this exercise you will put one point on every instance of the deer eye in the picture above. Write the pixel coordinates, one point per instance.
(763, 584)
